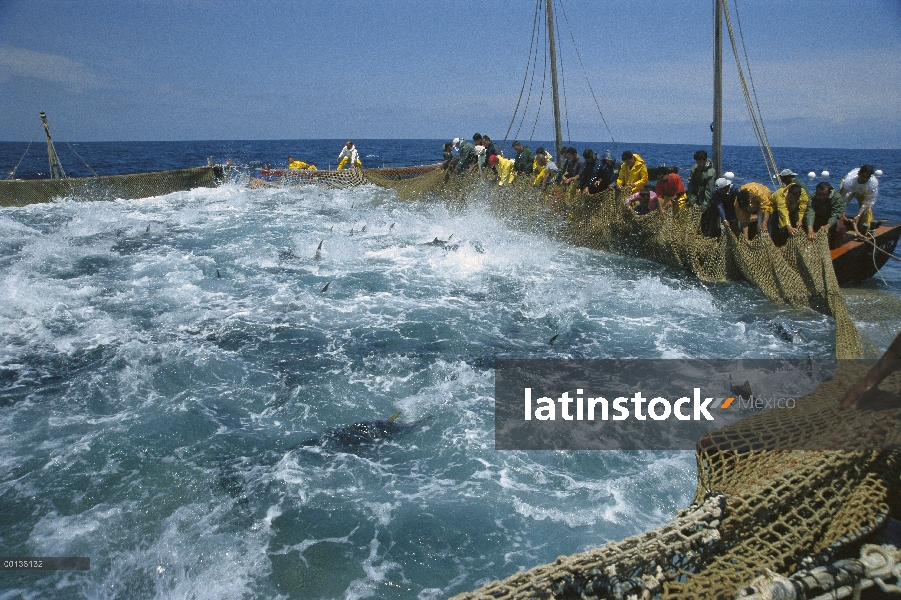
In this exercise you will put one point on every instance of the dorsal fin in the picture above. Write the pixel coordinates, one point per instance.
(392, 418)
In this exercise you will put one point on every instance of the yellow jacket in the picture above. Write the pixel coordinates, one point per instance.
(504, 170)
(636, 177)
(778, 200)
(300, 165)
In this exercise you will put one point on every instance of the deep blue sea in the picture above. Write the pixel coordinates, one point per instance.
(163, 360)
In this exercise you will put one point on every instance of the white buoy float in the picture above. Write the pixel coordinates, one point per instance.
(729, 175)
(811, 174)
(824, 174)
(878, 173)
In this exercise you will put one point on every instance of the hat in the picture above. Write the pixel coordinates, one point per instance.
(456, 141)
(492, 160)
(721, 183)
(608, 155)
(787, 173)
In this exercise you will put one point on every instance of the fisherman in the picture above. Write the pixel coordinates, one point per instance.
(449, 162)
(701, 180)
(721, 210)
(547, 169)
(505, 170)
(300, 165)
(606, 172)
(633, 174)
(588, 173)
(644, 202)
(862, 186)
(788, 177)
(574, 168)
(789, 204)
(491, 149)
(670, 190)
(524, 157)
(752, 204)
(479, 149)
(468, 159)
(826, 209)
(350, 155)
(538, 168)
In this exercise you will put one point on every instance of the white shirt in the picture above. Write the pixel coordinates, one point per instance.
(864, 192)
(349, 153)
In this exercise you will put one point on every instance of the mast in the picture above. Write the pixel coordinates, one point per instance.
(717, 126)
(558, 132)
(56, 168)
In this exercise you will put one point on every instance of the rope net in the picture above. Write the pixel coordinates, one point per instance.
(21, 192)
(759, 509)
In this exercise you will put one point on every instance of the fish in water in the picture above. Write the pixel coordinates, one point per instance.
(358, 434)
(218, 274)
(318, 251)
(442, 244)
(553, 339)
(325, 288)
(784, 331)
(778, 328)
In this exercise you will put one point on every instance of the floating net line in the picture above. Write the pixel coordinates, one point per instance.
(762, 516)
(21, 192)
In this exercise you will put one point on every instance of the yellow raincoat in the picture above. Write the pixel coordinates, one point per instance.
(778, 200)
(504, 170)
(636, 177)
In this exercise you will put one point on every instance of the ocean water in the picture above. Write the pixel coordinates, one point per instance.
(164, 360)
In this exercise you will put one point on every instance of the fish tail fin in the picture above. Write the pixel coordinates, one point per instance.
(393, 418)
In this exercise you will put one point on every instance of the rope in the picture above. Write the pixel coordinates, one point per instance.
(581, 64)
(543, 83)
(12, 174)
(759, 131)
(81, 159)
(866, 238)
(525, 77)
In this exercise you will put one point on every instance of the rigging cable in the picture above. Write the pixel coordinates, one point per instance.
(756, 121)
(533, 58)
(12, 174)
(81, 159)
(569, 138)
(750, 76)
(543, 85)
(585, 72)
(524, 79)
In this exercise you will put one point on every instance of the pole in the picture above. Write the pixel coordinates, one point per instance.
(558, 132)
(56, 168)
(718, 86)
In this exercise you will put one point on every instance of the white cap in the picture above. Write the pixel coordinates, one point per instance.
(456, 141)
(721, 183)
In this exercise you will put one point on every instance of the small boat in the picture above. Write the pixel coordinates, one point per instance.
(21, 192)
(860, 257)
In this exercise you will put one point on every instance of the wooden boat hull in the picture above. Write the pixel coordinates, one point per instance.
(21, 192)
(857, 260)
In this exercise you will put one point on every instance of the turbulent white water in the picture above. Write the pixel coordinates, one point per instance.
(163, 360)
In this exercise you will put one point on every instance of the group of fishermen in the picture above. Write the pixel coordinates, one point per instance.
(348, 155)
(745, 209)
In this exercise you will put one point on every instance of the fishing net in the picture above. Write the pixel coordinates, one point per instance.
(110, 187)
(789, 518)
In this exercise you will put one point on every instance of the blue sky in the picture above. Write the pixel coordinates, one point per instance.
(827, 73)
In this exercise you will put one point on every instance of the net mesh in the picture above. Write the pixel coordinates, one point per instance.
(757, 508)
(109, 187)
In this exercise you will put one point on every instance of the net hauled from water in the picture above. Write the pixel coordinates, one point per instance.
(759, 510)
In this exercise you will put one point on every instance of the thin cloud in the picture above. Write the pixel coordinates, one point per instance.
(18, 62)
